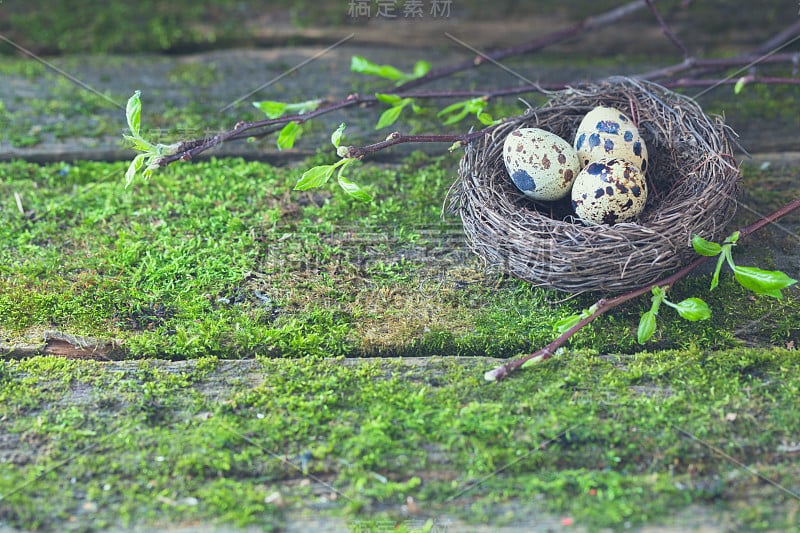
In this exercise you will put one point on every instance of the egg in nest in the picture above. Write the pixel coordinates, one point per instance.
(609, 191)
(608, 133)
(541, 164)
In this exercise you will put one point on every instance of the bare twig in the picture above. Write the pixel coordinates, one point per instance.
(766, 53)
(558, 36)
(604, 305)
(667, 30)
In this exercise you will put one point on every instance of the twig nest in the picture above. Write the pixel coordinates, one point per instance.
(691, 182)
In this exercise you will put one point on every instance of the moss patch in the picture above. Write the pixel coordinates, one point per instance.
(607, 441)
(224, 258)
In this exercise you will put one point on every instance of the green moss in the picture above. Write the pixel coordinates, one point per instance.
(605, 440)
(223, 258)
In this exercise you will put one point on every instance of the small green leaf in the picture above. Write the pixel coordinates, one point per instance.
(271, 108)
(315, 177)
(768, 282)
(133, 112)
(566, 323)
(455, 146)
(421, 68)
(133, 168)
(139, 144)
(459, 110)
(733, 238)
(456, 117)
(692, 309)
(389, 117)
(452, 107)
(704, 247)
(363, 66)
(647, 327)
(739, 85)
(353, 189)
(275, 109)
(288, 135)
(486, 119)
(301, 108)
(336, 136)
(390, 99)
(717, 269)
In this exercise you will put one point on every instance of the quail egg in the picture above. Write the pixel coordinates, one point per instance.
(609, 191)
(541, 164)
(607, 132)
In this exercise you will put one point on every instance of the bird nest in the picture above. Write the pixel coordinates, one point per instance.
(691, 177)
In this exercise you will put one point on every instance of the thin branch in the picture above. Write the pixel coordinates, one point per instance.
(190, 149)
(394, 138)
(561, 35)
(667, 30)
(692, 63)
(604, 305)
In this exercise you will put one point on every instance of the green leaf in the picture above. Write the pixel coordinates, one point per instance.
(452, 107)
(133, 112)
(275, 109)
(733, 238)
(768, 282)
(301, 108)
(455, 146)
(704, 247)
(421, 68)
(456, 117)
(271, 108)
(315, 177)
(287, 136)
(353, 189)
(133, 168)
(739, 85)
(486, 119)
(363, 66)
(647, 327)
(391, 99)
(692, 309)
(717, 269)
(336, 136)
(459, 110)
(139, 144)
(389, 117)
(566, 323)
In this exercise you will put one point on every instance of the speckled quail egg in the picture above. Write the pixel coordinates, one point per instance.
(607, 132)
(609, 191)
(541, 164)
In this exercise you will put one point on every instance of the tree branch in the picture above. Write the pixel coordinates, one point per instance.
(766, 53)
(563, 34)
(667, 30)
(604, 305)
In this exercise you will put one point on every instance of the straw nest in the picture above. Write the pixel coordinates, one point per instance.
(692, 183)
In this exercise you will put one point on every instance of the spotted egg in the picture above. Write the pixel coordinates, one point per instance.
(609, 191)
(541, 164)
(607, 132)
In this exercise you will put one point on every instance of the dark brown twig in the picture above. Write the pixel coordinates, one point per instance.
(558, 36)
(187, 150)
(604, 305)
(667, 30)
